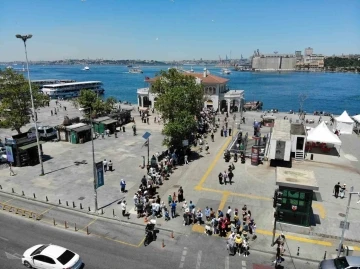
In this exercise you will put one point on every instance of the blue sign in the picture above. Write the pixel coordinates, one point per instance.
(146, 135)
(9, 154)
(99, 174)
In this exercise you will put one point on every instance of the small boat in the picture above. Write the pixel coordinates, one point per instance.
(191, 70)
(135, 70)
(225, 71)
(9, 67)
(86, 68)
(130, 65)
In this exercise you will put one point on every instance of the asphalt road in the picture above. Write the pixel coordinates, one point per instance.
(194, 251)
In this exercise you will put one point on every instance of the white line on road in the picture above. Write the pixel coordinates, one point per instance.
(243, 263)
(14, 256)
(182, 258)
(198, 262)
(3, 238)
(181, 265)
(184, 252)
(226, 262)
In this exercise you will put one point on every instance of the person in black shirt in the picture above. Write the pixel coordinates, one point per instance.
(336, 189)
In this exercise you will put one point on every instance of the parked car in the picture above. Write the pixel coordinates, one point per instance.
(348, 262)
(51, 256)
(45, 132)
(3, 156)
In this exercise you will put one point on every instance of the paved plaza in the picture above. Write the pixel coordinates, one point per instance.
(253, 185)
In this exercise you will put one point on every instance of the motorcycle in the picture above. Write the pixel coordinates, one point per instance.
(149, 232)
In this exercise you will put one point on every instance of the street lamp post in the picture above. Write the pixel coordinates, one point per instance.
(24, 38)
(345, 220)
(93, 158)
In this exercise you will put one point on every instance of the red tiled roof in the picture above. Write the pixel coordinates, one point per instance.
(209, 79)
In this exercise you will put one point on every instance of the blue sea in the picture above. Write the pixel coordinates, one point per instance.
(330, 92)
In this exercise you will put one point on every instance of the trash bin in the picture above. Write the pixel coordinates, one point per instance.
(349, 250)
(312, 156)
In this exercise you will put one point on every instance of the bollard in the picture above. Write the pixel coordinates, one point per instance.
(73, 204)
(54, 222)
(66, 225)
(67, 203)
(325, 255)
(163, 244)
(298, 251)
(89, 209)
(12, 189)
(172, 234)
(34, 195)
(47, 200)
(81, 206)
(23, 194)
(102, 211)
(87, 230)
(75, 228)
(0, 187)
(114, 213)
(59, 202)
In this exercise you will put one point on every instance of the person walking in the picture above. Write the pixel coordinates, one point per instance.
(122, 185)
(123, 208)
(173, 209)
(220, 178)
(12, 173)
(105, 165)
(180, 194)
(336, 190)
(212, 137)
(207, 148)
(110, 166)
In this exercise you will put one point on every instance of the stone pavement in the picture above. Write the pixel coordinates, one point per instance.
(68, 182)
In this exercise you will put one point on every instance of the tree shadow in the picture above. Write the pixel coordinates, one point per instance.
(118, 201)
(76, 163)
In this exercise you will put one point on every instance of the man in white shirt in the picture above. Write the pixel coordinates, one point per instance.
(228, 213)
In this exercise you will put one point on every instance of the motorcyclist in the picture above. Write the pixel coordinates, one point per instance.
(150, 229)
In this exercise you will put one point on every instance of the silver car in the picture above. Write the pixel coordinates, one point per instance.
(348, 262)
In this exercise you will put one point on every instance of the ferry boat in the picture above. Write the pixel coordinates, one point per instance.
(86, 68)
(135, 70)
(226, 71)
(41, 82)
(71, 90)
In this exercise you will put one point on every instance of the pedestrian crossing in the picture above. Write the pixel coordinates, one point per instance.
(208, 259)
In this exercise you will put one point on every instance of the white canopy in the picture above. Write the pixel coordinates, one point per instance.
(344, 117)
(344, 123)
(321, 133)
(357, 118)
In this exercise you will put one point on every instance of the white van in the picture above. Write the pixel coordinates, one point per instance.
(45, 132)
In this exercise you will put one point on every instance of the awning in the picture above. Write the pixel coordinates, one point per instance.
(82, 128)
(209, 102)
(106, 122)
(31, 145)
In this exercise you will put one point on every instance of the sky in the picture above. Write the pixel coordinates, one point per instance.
(176, 29)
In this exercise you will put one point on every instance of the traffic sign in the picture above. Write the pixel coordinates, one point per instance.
(99, 174)
(146, 135)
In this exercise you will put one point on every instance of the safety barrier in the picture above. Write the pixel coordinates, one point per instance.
(20, 211)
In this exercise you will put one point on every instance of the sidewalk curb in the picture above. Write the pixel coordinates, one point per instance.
(81, 212)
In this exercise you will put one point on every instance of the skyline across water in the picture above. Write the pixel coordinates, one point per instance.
(330, 92)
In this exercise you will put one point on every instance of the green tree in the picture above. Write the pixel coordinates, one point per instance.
(15, 100)
(89, 99)
(179, 100)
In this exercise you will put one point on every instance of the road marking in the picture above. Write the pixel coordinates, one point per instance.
(47, 210)
(183, 258)
(198, 262)
(224, 199)
(14, 256)
(184, 252)
(243, 263)
(3, 238)
(181, 265)
(320, 207)
(9, 200)
(91, 222)
(227, 262)
(213, 163)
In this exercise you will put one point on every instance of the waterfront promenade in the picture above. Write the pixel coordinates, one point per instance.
(253, 185)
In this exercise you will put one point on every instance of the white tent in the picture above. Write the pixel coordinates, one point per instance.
(344, 123)
(357, 118)
(321, 133)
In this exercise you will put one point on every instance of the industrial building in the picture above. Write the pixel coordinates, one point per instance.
(273, 62)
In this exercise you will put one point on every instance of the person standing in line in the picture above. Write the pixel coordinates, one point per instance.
(110, 166)
(123, 208)
(12, 173)
(105, 165)
(180, 194)
(230, 131)
(186, 159)
(122, 185)
(212, 136)
(336, 190)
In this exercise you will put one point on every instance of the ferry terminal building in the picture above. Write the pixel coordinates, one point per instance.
(217, 95)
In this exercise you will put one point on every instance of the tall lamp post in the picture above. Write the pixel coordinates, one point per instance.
(93, 157)
(24, 38)
(351, 192)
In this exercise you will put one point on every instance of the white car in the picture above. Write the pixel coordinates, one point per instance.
(50, 256)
